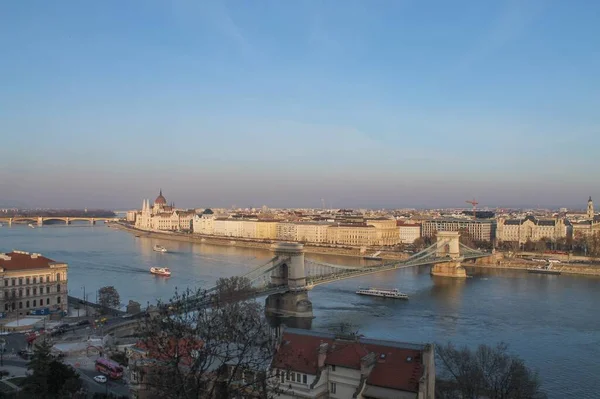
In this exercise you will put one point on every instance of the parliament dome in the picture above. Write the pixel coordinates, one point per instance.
(160, 200)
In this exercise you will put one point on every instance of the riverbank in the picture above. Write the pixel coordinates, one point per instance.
(247, 243)
(518, 264)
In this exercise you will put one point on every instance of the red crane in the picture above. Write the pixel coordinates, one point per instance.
(474, 203)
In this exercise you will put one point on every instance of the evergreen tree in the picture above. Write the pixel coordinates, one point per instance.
(49, 378)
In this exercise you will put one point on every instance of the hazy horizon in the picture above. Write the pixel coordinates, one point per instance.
(366, 105)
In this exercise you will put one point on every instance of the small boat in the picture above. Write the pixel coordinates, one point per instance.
(543, 270)
(31, 225)
(375, 256)
(382, 292)
(161, 271)
(159, 248)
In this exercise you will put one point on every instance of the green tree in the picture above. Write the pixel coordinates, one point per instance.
(50, 378)
(108, 297)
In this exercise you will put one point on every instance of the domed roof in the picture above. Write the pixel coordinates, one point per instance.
(160, 199)
(208, 211)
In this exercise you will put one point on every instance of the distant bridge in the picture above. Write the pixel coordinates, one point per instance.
(41, 220)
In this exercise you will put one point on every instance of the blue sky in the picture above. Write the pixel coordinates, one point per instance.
(362, 103)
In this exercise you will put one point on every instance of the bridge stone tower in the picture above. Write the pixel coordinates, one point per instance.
(448, 246)
(290, 272)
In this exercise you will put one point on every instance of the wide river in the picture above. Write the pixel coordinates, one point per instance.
(552, 322)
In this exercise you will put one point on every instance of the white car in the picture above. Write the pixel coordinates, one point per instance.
(100, 379)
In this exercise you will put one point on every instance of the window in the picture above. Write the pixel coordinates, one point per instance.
(20, 292)
(304, 378)
(34, 303)
(27, 292)
(47, 290)
(282, 375)
(57, 299)
(6, 283)
(6, 309)
(27, 304)
(48, 278)
(57, 276)
(332, 387)
(34, 280)
(5, 294)
(34, 291)
(293, 377)
(47, 301)
(20, 305)
(333, 367)
(57, 287)
(26, 281)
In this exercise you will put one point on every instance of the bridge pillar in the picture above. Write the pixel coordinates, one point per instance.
(291, 272)
(67, 221)
(92, 221)
(40, 221)
(448, 246)
(9, 222)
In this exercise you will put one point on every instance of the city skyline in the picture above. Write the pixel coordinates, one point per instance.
(387, 105)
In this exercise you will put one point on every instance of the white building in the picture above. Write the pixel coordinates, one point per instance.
(228, 227)
(205, 223)
(530, 228)
(287, 231)
(161, 216)
(408, 232)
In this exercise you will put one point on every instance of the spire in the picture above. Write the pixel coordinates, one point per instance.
(590, 200)
(160, 192)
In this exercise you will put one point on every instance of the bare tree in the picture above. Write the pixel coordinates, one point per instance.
(208, 345)
(108, 297)
(488, 372)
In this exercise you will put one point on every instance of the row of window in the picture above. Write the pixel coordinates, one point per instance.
(34, 304)
(294, 377)
(33, 291)
(30, 280)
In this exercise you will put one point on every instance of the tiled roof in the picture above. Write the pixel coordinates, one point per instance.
(24, 260)
(398, 366)
(167, 349)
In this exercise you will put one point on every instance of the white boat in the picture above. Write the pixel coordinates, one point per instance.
(382, 292)
(31, 225)
(159, 248)
(161, 271)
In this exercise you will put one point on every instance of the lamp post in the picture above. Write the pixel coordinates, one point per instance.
(84, 304)
(2, 345)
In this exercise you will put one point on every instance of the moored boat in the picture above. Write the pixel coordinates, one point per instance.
(159, 248)
(543, 270)
(161, 271)
(382, 292)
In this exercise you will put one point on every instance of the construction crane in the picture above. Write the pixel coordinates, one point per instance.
(474, 203)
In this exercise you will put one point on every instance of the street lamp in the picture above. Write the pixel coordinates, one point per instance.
(2, 345)
(84, 304)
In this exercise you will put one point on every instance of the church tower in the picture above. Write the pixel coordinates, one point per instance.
(590, 209)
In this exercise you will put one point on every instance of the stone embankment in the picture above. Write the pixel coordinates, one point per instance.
(248, 243)
(499, 262)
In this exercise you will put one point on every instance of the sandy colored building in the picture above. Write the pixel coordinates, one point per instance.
(530, 228)
(386, 231)
(480, 230)
(287, 231)
(266, 230)
(312, 232)
(359, 235)
(32, 281)
(161, 216)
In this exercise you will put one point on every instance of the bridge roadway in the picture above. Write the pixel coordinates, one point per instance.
(40, 220)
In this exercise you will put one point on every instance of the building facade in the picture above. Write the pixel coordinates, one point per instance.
(312, 232)
(408, 232)
(161, 216)
(357, 235)
(530, 228)
(321, 365)
(480, 230)
(387, 233)
(287, 231)
(32, 281)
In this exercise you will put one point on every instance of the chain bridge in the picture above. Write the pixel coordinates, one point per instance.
(287, 277)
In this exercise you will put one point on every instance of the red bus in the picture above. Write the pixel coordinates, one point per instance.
(109, 368)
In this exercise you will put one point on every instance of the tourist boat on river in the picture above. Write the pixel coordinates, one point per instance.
(382, 292)
(159, 248)
(161, 271)
(544, 270)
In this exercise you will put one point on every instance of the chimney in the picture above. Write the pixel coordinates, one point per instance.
(322, 354)
(34, 256)
(366, 363)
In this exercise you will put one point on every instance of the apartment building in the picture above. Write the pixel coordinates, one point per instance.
(312, 232)
(322, 365)
(408, 232)
(287, 231)
(480, 230)
(32, 281)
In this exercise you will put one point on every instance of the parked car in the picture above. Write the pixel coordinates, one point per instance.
(100, 379)
(25, 354)
(83, 322)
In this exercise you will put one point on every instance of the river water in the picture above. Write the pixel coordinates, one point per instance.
(552, 322)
